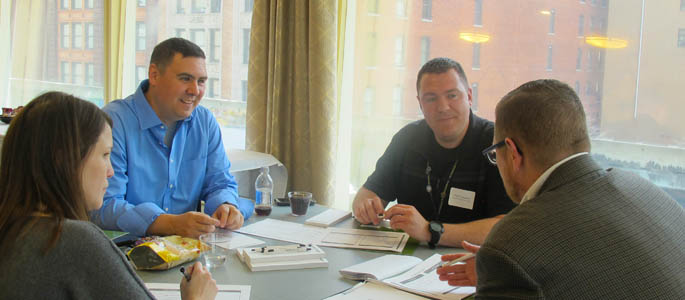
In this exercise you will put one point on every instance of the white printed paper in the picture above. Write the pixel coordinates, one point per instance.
(424, 278)
(461, 198)
(172, 291)
(237, 240)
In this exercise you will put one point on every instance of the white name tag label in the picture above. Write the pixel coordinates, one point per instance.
(461, 198)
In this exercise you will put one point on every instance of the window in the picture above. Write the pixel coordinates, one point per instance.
(90, 4)
(197, 36)
(90, 35)
(682, 5)
(550, 53)
(576, 87)
(141, 74)
(593, 22)
(474, 96)
(581, 29)
(476, 56)
(198, 6)
(369, 97)
(246, 45)
(214, 88)
(64, 4)
(579, 59)
(589, 60)
(215, 6)
(65, 37)
(552, 17)
(76, 73)
(372, 7)
(140, 36)
(181, 32)
(179, 7)
(681, 38)
(78, 36)
(249, 5)
(243, 90)
(399, 51)
(401, 8)
(76, 4)
(478, 13)
(64, 71)
(426, 13)
(141, 3)
(371, 50)
(90, 74)
(214, 45)
(425, 49)
(605, 3)
(397, 100)
(588, 88)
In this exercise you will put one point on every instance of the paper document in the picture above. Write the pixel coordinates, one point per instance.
(381, 267)
(373, 291)
(172, 291)
(424, 280)
(330, 237)
(237, 240)
(329, 217)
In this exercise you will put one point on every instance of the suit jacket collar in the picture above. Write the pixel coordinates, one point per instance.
(570, 171)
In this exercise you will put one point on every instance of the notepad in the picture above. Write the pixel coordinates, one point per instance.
(329, 217)
(286, 257)
(381, 267)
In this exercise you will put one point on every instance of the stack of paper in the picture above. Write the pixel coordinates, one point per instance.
(381, 267)
(329, 217)
(297, 256)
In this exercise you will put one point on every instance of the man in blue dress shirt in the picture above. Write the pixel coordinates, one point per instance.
(168, 153)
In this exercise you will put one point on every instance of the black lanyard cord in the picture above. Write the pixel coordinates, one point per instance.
(443, 194)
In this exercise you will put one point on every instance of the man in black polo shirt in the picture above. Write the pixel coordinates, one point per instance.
(446, 190)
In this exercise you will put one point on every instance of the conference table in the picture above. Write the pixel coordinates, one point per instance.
(317, 283)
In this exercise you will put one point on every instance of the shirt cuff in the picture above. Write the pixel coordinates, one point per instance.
(137, 220)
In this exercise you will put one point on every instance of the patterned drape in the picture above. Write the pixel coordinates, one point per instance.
(291, 103)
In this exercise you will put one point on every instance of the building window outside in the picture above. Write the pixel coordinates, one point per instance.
(213, 88)
(76, 73)
(243, 90)
(550, 54)
(399, 51)
(592, 23)
(198, 6)
(371, 50)
(579, 59)
(140, 36)
(401, 8)
(425, 49)
(588, 88)
(369, 97)
(66, 75)
(214, 45)
(179, 7)
(397, 100)
(215, 6)
(605, 3)
(577, 87)
(552, 20)
(76, 4)
(90, 74)
(681, 38)
(682, 5)
(581, 25)
(64, 4)
(474, 96)
(142, 3)
(588, 67)
(372, 7)
(478, 13)
(65, 39)
(426, 10)
(77, 42)
(181, 32)
(90, 4)
(246, 45)
(90, 35)
(249, 5)
(141, 74)
(476, 56)
(197, 36)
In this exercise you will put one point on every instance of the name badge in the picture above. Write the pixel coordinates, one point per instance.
(461, 198)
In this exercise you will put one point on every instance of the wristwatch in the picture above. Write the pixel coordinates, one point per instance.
(436, 229)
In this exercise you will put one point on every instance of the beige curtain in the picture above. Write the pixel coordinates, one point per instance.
(291, 104)
(115, 19)
(28, 48)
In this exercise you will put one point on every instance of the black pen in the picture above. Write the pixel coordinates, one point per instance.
(187, 276)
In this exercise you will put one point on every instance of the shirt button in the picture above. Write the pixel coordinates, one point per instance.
(171, 186)
(167, 209)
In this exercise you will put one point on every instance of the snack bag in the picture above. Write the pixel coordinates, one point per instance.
(161, 253)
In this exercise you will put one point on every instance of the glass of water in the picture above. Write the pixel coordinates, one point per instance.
(216, 255)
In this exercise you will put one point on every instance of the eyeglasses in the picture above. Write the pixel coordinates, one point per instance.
(491, 152)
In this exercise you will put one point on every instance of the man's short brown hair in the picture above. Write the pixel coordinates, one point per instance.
(440, 65)
(546, 120)
(165, 51)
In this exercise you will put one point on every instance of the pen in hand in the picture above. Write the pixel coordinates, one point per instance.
(187, 276)
(460, 259)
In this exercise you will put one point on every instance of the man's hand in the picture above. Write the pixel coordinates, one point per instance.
(201, 285)
(460, 274)
(366, 209)
(190, 224)
(229, 216)
(407, 218)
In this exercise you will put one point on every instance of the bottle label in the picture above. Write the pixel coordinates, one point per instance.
(258, 197)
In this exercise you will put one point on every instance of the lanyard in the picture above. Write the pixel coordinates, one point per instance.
(443, 194)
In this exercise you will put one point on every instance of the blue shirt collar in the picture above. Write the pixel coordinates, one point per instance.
(147, 117)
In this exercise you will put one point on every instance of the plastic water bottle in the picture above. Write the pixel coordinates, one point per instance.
(264, 187)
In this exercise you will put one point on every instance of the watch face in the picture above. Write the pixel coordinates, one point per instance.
(437, 227)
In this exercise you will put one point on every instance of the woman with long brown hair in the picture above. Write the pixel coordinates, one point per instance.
(53, 170)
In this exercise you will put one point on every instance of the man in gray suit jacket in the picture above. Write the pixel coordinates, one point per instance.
(580, 232)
